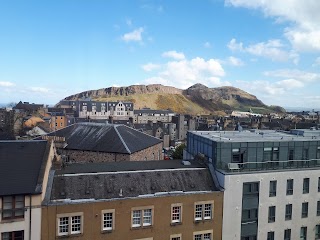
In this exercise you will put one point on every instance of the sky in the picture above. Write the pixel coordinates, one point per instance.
(52, 49)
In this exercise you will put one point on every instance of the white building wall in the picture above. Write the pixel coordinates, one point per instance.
(233, 185)
(23, 224)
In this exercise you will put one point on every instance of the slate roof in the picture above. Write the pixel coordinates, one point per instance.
(110, 138)
(152, 111)
(21, 164)
(123, 181)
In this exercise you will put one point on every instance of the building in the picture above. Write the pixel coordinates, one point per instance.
(99, 110)
(271, 181)
(24, 169)
(101, 142)
(134, 200)
(142, 116)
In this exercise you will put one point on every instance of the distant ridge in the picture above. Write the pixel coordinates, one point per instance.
(197, 99)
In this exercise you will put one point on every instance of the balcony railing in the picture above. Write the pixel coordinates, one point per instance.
(268, 165)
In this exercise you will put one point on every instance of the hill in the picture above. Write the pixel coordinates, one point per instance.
(197, 99)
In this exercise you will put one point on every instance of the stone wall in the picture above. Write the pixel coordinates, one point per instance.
(151, 153)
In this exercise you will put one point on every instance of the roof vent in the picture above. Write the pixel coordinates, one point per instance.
(63, 194)
(121, 193)
(186, 163)
(87, 192)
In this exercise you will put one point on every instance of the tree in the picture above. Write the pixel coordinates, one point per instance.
(178, 153)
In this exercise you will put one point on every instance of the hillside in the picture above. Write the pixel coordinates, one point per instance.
(198, 99)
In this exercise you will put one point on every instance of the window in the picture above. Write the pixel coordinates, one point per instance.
(203, 211)
(305, 154)
(318, 208)
(317, 235)
(249, 215)
(176, 213)
(69, 224)
(271, 154)
(251, 188)
(13, 207)
(270, 236)
(273, 189)
(303, 233)
(237, 157)
(288, 214)
(175, 237)
(142, 217)
(203, 235)
(287, 234)
(289, 186)
(304, 210)
(318, 152)
(107, 220)
(319, 184)
(306, 185)
(272, 214)
(291, 154)
(17, 235)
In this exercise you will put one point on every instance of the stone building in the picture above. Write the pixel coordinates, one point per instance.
(151, 200)
(24, 170)
(95, 142)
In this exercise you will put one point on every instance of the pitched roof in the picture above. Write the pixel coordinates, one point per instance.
(20, 166)
(105, 138)
(143, 179)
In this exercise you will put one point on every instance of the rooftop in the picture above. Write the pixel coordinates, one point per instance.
(104, 137)
(260, 135)
(107, 181)
(20, 166)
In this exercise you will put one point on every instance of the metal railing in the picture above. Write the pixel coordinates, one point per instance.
(268, 165)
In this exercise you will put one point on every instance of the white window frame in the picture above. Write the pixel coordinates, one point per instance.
(203, 233)
(142, 217)
(201, 213)
(70, 217)
(103, 221)
(174, 206)
(176, 237)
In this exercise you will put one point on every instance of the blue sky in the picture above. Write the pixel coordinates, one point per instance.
(51, 49)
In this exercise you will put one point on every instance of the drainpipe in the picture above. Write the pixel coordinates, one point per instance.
(30, 207)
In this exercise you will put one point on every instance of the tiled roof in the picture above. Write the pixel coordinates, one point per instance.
(121, 183)
(20, 166)
(105, 138)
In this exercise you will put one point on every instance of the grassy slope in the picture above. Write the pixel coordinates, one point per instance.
(176, 102)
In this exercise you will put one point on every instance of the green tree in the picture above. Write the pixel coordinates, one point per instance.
(178, 153)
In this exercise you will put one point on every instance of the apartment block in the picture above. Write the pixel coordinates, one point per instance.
(271, 181)
(133, 200)
(24, 170)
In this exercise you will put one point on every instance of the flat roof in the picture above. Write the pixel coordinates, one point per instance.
(260, 135)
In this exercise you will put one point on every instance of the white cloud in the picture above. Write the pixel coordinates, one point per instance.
(39, 89)
(150, 67)
(272, 49)
(129, 22)
(174, 54)
(234, 46)
(184, 73)
(235, 61)
(267, 88)
(299, 75)
(207, 45)
(316, 62)
(6, 84)
(303, 16)
(135, 35)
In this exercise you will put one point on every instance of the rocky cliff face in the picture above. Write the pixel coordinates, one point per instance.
(192, 100)
(126, 91)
